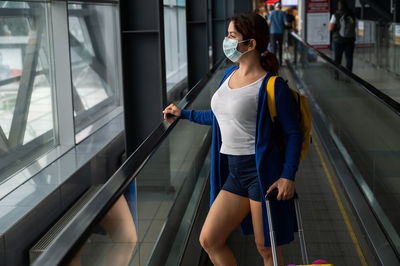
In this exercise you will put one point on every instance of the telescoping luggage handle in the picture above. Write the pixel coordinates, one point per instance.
(272, 195)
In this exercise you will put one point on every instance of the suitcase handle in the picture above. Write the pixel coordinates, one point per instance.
(274, 193)
(272, 196)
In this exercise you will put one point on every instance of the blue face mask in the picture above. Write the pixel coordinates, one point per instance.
(230, 49)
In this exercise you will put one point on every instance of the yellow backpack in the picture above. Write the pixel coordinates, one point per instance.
(303, 113)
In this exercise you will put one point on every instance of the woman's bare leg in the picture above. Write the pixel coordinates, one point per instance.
(265, 252)
(226, 213)
(119, 225)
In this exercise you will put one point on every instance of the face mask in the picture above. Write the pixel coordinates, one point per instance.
(230, 49)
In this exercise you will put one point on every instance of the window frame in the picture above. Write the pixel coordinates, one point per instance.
(65, 137)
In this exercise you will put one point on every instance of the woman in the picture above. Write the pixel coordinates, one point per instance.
(246, 159)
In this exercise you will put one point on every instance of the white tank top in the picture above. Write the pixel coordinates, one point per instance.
(236, 113)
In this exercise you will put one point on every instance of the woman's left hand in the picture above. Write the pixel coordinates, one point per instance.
(285, 188)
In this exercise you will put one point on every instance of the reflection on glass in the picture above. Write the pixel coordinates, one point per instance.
(26, 106)
(175, 42)
(172, 170)
(93, 45)
(114, 240)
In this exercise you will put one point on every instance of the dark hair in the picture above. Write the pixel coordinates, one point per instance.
(344, 4)
(254, 26)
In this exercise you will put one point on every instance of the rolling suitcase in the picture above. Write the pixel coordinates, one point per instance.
(272, 195)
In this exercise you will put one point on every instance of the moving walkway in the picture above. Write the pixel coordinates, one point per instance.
(150, 212)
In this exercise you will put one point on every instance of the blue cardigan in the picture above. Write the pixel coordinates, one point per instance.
(271, 162)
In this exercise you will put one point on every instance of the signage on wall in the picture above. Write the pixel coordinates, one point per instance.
(366, 32)
(290, 2)
(318, 14)
(360, 28)
(318, 6)
(397, 34)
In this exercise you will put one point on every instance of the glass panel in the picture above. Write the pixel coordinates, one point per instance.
(175, 48)
(367, 129)
(94, 60)
(26, 88)
(377, 55)
(173, 168)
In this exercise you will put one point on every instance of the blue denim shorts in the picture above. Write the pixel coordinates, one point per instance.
(243, 179)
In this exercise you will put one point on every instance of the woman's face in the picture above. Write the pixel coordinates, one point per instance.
(235, 35)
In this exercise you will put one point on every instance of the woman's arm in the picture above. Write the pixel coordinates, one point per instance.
(200, 117)
(172, 112)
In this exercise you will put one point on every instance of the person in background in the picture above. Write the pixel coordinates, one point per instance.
(291, 27)
(270, 8)
(343, 28)
(276, 21)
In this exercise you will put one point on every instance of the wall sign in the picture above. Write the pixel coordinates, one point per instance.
(318, 15)
(360, 28)
(397, 34)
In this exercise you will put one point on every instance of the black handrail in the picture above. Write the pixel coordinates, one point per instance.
(384, 98)
(78, 230)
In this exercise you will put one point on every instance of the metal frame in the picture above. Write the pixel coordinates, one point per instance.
(197, 40)
(145, 95)
(85, 132)
(63, 76)
(219, 27)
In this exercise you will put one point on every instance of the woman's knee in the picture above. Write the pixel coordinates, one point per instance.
(208, 242)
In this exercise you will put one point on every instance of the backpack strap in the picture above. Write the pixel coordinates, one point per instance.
(271, 97)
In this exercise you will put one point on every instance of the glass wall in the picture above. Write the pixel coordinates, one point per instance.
(32, 112)
(27, 116)
(366, 132)
(378, 43)
(175, 43)
(377, 55)
(92, 35)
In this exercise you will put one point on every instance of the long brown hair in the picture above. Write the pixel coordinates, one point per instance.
(254, 26)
